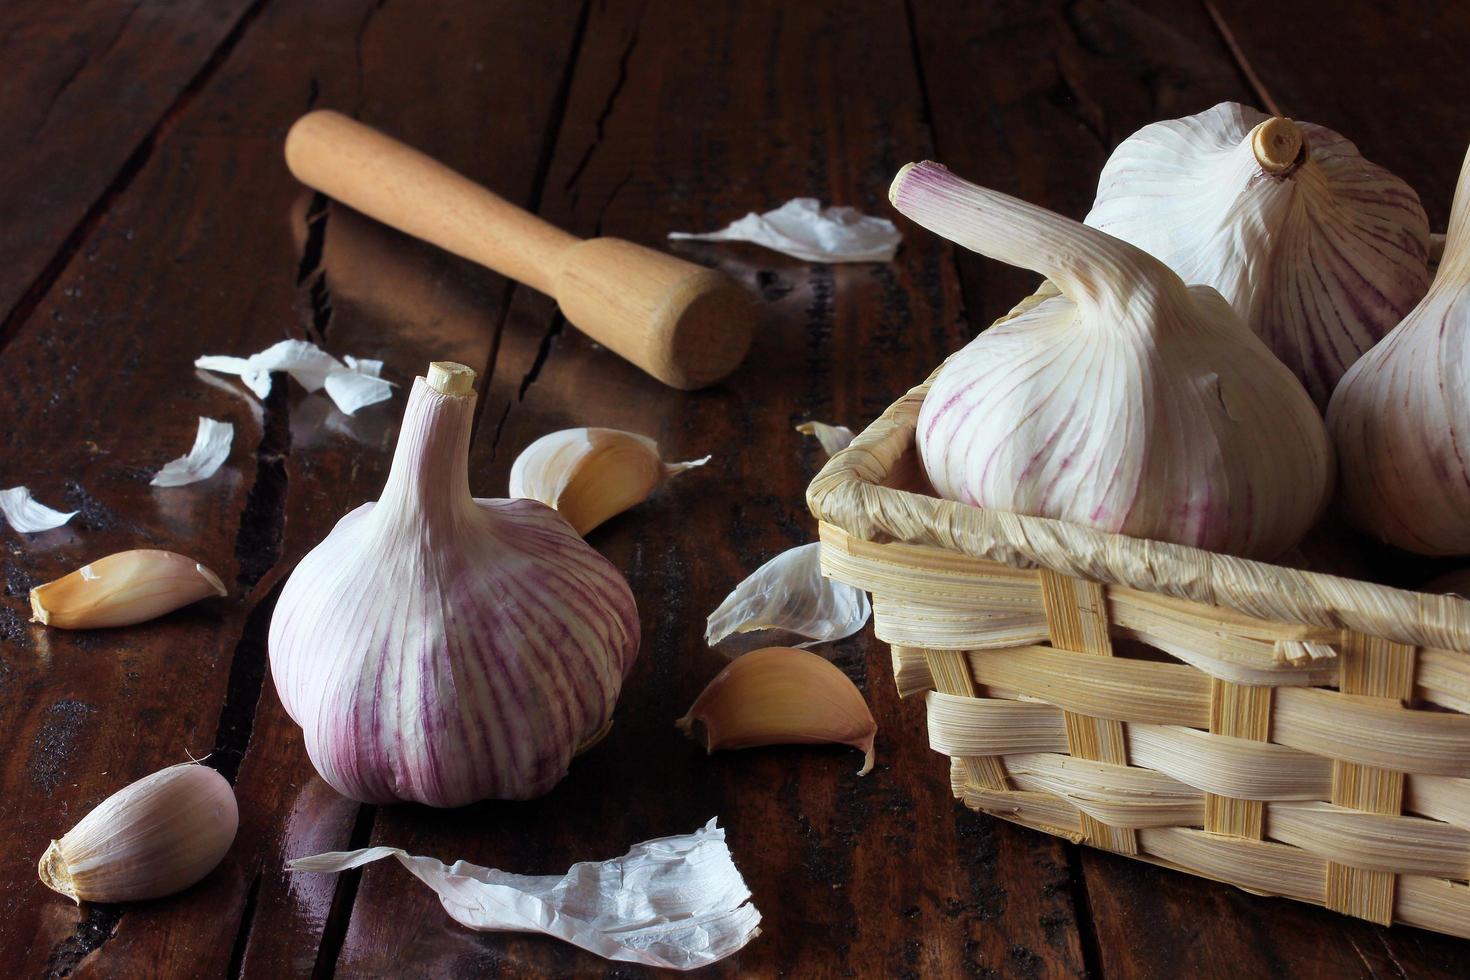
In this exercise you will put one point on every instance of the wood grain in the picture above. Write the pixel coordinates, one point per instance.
(171, 228)
(63, 158)
(199, 255)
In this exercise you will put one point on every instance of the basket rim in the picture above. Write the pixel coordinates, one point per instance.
(848, 493)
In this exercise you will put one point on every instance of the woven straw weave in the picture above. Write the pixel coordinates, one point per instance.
(1289, 732)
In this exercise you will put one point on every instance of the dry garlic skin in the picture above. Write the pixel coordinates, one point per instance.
(1321, 251)
(445, 649)
(1129, 403)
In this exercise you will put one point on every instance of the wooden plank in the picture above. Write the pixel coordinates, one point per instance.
(63, 156)
(1377, 77)
(200, 255)
(686, 118)
(1030, 98)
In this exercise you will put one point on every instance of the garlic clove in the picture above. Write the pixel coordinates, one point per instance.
(589, 475)
(1401, 413)
(151, 838)
(790, 593)
(781, 696)
(833, 438)
(1320, 251)
(122, 589)
(1130, 402)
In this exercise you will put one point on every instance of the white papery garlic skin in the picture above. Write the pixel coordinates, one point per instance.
(589, 475)
(1321, 251)
(1129, 403)
(444, 649)
(1401, 416)
(151, 838)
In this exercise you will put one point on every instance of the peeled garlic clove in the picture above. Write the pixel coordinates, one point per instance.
(781, 696)
(1319, 250)
(790, 593)
(832, 437)
(444, 649)
(1130, 403)
(590, 475)
(149, 839)
(122, 589)
(1401, 414)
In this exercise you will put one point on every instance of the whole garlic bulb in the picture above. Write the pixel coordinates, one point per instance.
(1401, 416)
(151, 838)
(439, 648)
(1129, 403)
(1321, 251)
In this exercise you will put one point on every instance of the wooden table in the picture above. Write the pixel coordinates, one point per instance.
(146, 218)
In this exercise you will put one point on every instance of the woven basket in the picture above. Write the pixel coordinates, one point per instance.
(1288, 732)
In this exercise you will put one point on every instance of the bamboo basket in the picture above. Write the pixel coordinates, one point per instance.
(1288, 732)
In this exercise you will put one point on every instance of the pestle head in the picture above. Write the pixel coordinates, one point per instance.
(684, 324)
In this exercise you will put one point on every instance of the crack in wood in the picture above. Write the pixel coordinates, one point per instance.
(122, 180)
(334, 932)
(600, 126)
(99, 924)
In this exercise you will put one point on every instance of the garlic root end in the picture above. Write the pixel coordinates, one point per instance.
(55, 874)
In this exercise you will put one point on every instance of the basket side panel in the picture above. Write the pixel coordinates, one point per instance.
(1076, 617)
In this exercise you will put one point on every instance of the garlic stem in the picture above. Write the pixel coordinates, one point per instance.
(1089, 266)
(1279, 146)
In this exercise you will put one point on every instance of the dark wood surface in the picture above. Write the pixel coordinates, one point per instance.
(146, 218)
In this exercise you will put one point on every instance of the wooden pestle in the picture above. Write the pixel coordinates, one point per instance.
(684, 324)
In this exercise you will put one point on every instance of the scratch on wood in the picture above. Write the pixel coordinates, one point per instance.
(1238, 55)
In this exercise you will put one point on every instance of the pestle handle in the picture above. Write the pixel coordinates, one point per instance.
(399, 186)
(684, 324)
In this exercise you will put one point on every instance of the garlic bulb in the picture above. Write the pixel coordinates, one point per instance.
(151, 838)
(122, 589)
(444, 649)
(781, 696)
(590, 475)
(1401, 415)
(1129, 403)
(1319, 250)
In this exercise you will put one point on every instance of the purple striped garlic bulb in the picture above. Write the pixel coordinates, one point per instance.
(1129, 403)
(1401, 416)
(445, 649)
(1321, 251)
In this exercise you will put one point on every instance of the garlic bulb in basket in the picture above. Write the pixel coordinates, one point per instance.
(444, 649)
(1319, 250)
(1401, 416)
(1129, 403)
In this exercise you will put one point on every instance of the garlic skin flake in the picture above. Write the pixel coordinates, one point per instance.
(1401, 415)
(351, 386)
(444, 649)
(210, 450)
(803, 229)
(833, 438)
(781, 696)
(151, 838)
(676, 902)
(790, 593)
(1128, 403)
(24, 514)
(589, 475)
(1321, 251)
(123, 589)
